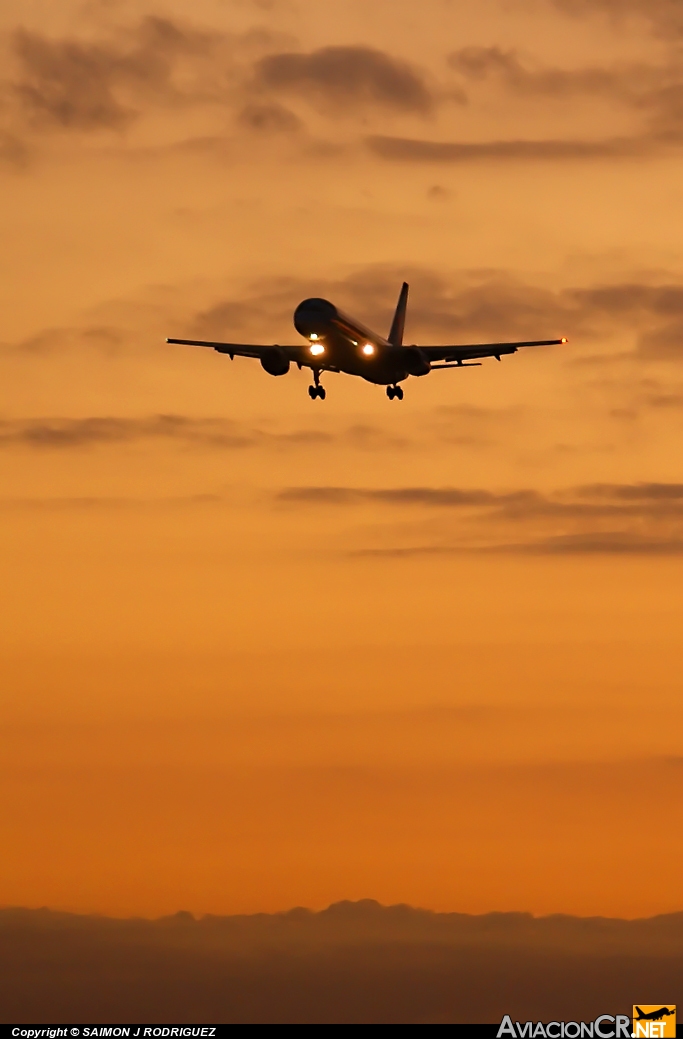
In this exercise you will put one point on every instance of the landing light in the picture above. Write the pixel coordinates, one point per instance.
(317, 349)
(368, 349)
(564, 340)
(313, 335)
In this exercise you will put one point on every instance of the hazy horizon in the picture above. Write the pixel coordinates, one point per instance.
(352, 962)
(368, 903)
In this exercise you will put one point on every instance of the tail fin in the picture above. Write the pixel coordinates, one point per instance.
(395, 336)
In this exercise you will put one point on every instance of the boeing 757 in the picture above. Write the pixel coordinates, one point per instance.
(339, 343)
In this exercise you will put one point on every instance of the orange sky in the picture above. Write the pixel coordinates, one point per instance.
(257, 651)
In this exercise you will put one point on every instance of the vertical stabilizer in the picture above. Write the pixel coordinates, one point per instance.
(395, 336)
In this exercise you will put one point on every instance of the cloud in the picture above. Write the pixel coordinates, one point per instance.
(635, 492)
(609, 543)
(70, 84)
(665, 16)
(654, 90)
(628, 82)
(13, 151)
(508, 67)
(658, 307)
(108, 82)
(608, 519)
(594, 500)
(429, 496)
(86, 432)
(111, 80)
(268, 118)
(211, 433)
(409, 149)
(77, 84)
(347, 78)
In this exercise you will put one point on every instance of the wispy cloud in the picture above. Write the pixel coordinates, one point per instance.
(85, 432)
(446, 497)
(645, 518)
(82, 84)
(407, 149)
(665, 17)
(654, 90)
(54, 433)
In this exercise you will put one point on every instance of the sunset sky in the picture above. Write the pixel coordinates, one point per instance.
(259, 651)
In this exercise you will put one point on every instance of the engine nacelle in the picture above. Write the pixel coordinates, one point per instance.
(275, 361)
(415, 361)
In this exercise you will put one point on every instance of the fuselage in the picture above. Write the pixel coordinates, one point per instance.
(339, 341)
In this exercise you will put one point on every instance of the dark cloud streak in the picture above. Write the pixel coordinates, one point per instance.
(610, 519)
(86, 432)
(407, 149)
(447, 497)
(40, 434)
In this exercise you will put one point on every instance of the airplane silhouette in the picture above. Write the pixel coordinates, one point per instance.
(654, 1015)
(339, 343)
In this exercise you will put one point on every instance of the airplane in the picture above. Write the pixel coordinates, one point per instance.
(339, 343)
(654, 1015)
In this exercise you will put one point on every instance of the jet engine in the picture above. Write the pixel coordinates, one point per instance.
(415, 361)
(275, 361)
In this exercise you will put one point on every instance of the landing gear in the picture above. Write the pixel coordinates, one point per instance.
(395, 391)
(317, 390)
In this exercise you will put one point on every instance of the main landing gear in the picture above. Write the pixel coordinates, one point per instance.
(395, 391)
(317, 390)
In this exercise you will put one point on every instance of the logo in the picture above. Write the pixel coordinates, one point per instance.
(653, 1021)
(650, 1021)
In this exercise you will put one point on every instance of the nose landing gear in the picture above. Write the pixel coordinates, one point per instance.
(395, 391)
(316, 390)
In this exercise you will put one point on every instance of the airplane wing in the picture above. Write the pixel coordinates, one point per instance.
(458, 354)
(296, 354)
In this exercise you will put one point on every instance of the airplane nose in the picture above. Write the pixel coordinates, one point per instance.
(313, 316)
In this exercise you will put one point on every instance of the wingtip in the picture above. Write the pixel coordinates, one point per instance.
(564, 339)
